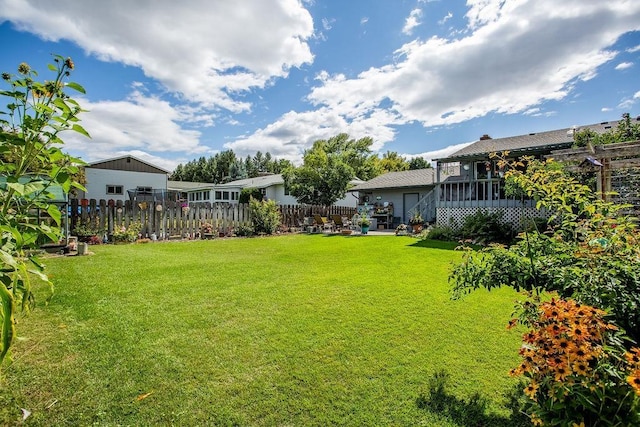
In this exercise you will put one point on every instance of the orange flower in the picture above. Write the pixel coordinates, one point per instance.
(564, 345)
(531, 390)
(580, 353)
(578, 332)
(581, 367)
(633, 357)
(562, 372)
(634, 381)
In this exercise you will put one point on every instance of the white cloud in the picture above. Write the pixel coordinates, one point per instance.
(629, 102)
(138, 124)
(326, 23)
(606, 109)
(412, 21)
(624, 65)
(634, 49)
(445, 19)
(518, 56)
(364, 20)
(294, 132)
(207, 51)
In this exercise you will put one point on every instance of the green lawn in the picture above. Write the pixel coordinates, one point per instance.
(296, 330)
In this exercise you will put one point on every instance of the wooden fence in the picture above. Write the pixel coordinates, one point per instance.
(173, 220)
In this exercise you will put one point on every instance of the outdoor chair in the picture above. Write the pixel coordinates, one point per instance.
(323, 222)
(339, 222)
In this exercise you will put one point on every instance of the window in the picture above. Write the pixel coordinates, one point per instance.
(263, 191)
(225, 195)
(218, 195)
(144, 190)
(235, 195)
(114, 189)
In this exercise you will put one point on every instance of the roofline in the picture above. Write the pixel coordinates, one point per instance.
(126, 156)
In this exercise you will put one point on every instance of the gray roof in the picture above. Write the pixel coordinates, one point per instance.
(188, 185)
(257, 182)
(530, 143)
(404, 179)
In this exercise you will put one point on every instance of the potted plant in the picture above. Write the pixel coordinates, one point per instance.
(364, 222)
(416, 221)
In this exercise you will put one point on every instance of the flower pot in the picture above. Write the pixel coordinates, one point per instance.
(346, 232)
(365, 229)
(416, 228)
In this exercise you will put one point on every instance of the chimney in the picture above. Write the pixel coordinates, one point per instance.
(484, 137)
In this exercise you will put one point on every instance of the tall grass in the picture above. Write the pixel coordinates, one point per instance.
(291, 330)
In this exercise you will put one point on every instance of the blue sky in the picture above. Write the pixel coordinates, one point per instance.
(171, 81)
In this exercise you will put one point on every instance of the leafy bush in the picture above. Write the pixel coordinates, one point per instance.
(440, 232)
(244, 230)
(249, 193)
(87, 229)
(486, 227)
(128, 234)
(588, 253)
(265, 216)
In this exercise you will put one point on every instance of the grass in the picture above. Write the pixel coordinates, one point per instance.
(290, 331)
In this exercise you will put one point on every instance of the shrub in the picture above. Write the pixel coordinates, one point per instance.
(128, 234)
(486, 227)
(249, 193)
(440, 232)
(244, 230)
(265, 216)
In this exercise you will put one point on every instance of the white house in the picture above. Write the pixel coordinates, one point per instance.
(271, 186)
(124, 178)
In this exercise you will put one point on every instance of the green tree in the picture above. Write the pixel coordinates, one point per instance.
(355, 153)
(625, 131)
(30, 129)
(418, 163)
(393, 162)
(322, 179)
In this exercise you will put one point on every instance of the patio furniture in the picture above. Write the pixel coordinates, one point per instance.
(339, 222)
(323, 222)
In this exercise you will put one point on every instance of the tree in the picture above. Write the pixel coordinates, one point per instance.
(419, 163)
(36, 115)
(355, 153)
(322, 179)
(393, 162)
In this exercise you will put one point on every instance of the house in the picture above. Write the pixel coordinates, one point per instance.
(389, 198)
(124, 178)
(271, 186)
(470, 180)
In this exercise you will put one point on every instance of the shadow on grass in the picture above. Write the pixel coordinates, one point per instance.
(435, 244)
(472, 411)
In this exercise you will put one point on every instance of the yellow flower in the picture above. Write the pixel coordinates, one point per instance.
(580, 367)
(531, 390)
(633, 357)
(634, 381)
(578, 425)
(562, 372)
